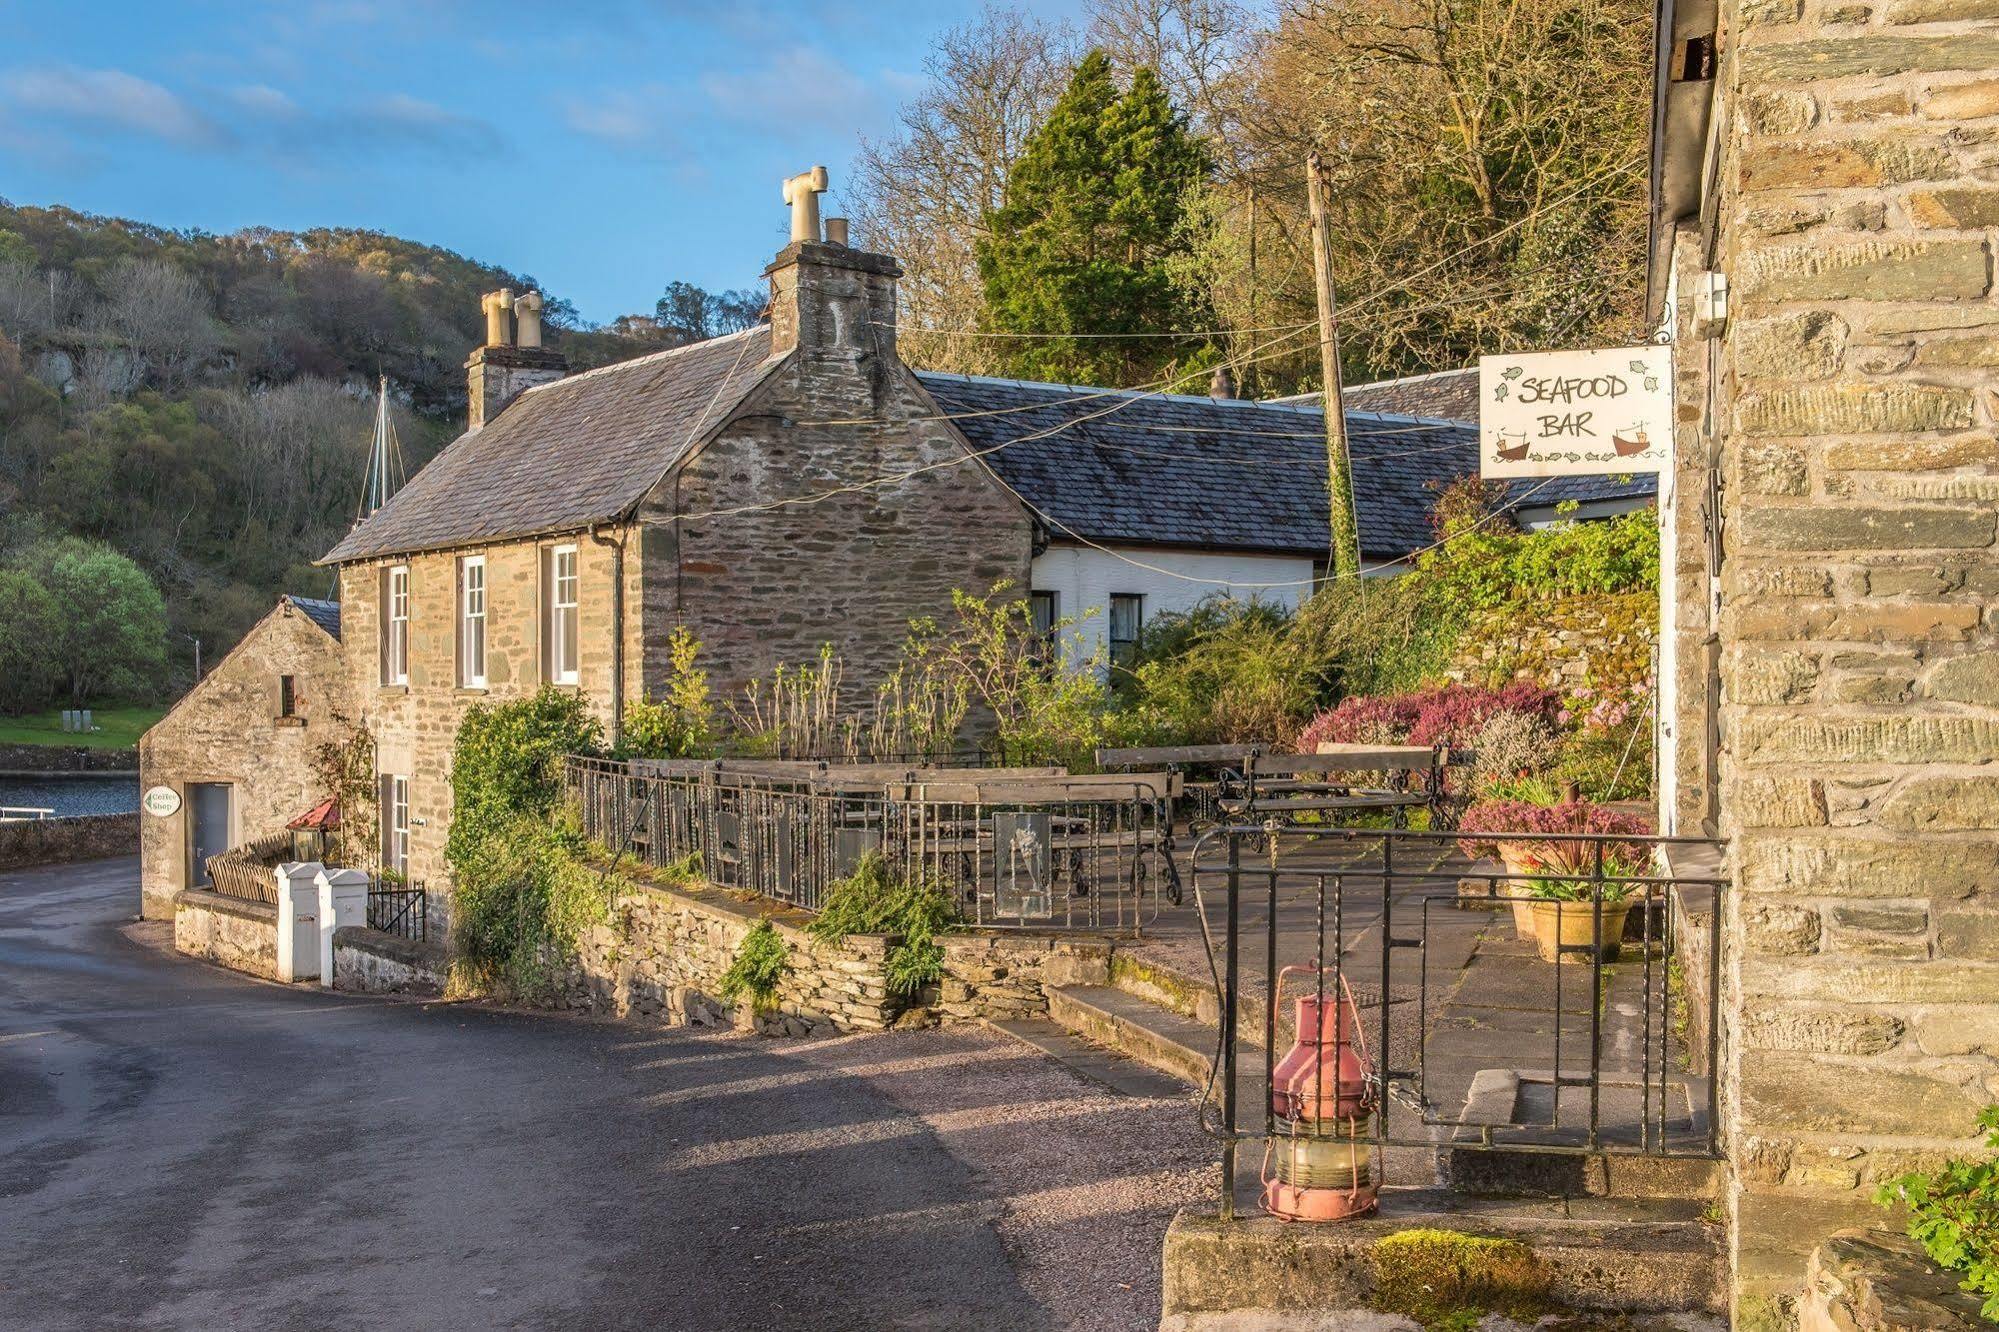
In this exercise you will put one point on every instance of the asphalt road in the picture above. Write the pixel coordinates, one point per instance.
(181, 1147)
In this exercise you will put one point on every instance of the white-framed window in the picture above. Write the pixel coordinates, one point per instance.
(472, 622)
(1043, 609)
(396, 624)
(564, 653)
(396, 825)
(1127, 619)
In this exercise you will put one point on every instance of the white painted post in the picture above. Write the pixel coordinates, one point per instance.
(298, 920)
(343, 900)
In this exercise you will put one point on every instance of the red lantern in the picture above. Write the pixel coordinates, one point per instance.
(1323, 1095)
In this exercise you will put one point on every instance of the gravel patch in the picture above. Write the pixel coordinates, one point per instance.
(1085, 1181)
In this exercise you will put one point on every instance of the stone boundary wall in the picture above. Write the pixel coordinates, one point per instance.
(1562, 643)
(1869, 1281)
(67, 758)
(373, 962)
(229, 931)
(60, 841)
(662, 956)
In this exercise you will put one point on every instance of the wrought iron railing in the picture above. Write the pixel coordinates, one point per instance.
(1015, 847)
(398, 909)
(1597, 1036)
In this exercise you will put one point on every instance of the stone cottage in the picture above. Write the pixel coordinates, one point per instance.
(1823, 251)
(240, 749)
(796, 485)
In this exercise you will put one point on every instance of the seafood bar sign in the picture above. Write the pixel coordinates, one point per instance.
(1575, 412)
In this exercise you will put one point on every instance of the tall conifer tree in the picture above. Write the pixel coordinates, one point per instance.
(1094, 220)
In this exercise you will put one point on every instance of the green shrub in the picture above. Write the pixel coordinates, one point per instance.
(1954, 1215)
(522, 895)
(681, 724)
(873, 900)
(758, 968)
(521, 890)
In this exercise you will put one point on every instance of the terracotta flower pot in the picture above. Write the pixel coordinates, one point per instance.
(1520, 891)
(1559, 925)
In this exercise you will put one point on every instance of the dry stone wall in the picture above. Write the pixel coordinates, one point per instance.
(27, 842)
(1852, 418)
(1565, 643)
(662, 955)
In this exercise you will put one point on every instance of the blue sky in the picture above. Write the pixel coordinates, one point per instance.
(603, 146)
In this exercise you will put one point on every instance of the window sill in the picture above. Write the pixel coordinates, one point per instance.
(570, 685)
(473, 691)
(288, 721)
(392, 689)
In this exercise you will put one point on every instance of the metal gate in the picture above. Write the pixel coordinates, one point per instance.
(1599, 1040)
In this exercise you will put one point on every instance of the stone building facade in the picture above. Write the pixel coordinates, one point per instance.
(1843, 403)
(245, 729)
(603, 511)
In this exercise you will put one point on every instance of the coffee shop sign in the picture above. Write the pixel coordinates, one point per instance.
(1576, 413)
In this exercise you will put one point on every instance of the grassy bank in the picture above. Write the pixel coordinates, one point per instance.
(117, 728)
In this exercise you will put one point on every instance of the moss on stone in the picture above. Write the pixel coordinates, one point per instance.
(1449, 1281)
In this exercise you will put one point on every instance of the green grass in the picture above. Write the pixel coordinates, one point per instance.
(117, 728)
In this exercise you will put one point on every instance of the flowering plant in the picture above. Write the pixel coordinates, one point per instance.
(1572, 865)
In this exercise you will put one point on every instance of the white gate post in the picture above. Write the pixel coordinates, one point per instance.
(343, 900)
(298, 920)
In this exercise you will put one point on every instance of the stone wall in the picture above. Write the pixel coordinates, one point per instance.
(372, 962)
(240, 935)
(662, 955)
(1564, 643)
(66, 758)
(1866, 1281)
(1853, 425)
(227, 729)
(27, 842)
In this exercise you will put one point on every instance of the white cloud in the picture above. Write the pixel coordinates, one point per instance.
(800, 87)
(636, 121)
(110, 99)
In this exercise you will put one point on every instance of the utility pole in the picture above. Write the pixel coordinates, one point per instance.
(1343, 555)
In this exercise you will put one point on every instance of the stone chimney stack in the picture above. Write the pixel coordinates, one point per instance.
(510, 362)
(827, 300)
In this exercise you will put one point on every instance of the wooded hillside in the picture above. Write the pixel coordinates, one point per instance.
(205, 403)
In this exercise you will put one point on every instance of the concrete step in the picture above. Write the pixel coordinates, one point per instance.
(1159, 1037)
(1628, 1256)
(1126, 1077)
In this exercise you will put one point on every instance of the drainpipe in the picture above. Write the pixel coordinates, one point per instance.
(617, 549)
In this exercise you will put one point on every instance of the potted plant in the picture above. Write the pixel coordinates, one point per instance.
(1499, 814)
(1549, 871)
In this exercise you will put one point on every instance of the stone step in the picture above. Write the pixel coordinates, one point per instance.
(1126, 1077)
(1159, 1037)
(1628, 1256)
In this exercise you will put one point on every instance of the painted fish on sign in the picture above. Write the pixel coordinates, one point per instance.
(1575, 413)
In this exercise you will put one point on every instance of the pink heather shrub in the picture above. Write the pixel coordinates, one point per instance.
(1455, 714)
(1516, 821)
(1449, 715)
(1362, 720)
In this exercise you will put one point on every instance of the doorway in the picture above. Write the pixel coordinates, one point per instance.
(210, 818)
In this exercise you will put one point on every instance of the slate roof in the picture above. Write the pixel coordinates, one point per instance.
(564, 455)
(325, 614)
(1445, 395)
(1219, 473)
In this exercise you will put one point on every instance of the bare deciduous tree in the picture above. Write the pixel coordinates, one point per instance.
(161, 314)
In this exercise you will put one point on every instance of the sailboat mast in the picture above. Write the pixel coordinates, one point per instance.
(378, 467)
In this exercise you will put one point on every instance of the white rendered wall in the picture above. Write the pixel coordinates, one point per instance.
(1084, 578)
